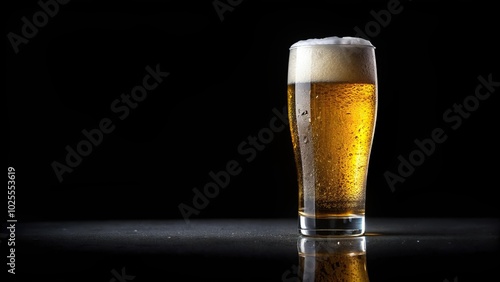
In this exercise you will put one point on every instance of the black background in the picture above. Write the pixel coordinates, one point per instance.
(226, 75)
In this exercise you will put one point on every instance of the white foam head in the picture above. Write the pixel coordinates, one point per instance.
(332, 59)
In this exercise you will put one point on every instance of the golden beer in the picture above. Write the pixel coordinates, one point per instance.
(332, 107)
(332, 260)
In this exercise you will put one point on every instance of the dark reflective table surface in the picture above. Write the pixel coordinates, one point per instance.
(394, 249)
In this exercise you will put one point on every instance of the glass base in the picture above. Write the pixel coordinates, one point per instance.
(332, 226)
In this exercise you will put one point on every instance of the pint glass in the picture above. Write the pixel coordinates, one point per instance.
(332, 108)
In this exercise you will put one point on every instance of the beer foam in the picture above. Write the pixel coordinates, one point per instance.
(332, 40)
(332, 59)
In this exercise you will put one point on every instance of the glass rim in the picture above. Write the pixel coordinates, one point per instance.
(331, 44)
(347, 41)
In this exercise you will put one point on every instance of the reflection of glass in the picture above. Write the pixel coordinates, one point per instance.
(332, 259)
(332, 105)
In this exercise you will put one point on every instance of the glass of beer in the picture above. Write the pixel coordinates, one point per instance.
(323, 259)
(332, 108)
